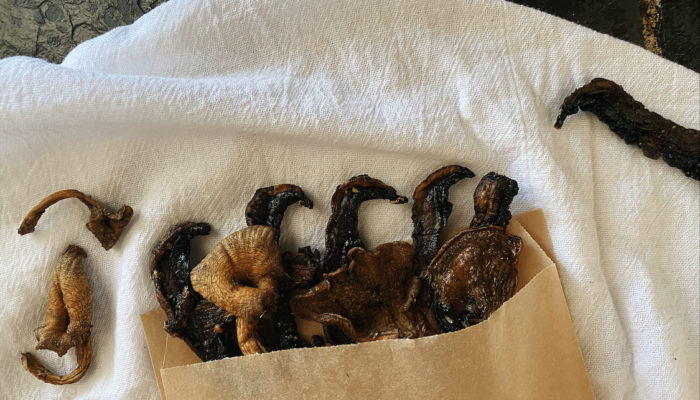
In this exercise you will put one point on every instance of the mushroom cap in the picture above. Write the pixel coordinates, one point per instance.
(240, 274)
(475, 270)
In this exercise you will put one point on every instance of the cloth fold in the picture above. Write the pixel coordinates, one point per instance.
(183, 114)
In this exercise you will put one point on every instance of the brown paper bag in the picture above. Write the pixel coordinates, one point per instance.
(526, 350)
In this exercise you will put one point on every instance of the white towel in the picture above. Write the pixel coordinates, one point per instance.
(183, 114)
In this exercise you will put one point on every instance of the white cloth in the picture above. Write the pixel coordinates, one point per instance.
(183, 114)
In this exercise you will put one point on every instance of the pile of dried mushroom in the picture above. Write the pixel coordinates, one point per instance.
(244, 297)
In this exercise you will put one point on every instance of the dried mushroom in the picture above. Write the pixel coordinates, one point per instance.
(105, 225)
(367, 300)
(341, 231)
(474, 272)
(629, 119)
(210, 329)
(431, 209)
(240, 275)
(379, 294)
(67, 321)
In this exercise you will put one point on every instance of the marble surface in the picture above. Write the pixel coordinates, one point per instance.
(49, 29)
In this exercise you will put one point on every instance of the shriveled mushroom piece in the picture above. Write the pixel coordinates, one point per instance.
(341, 231)
(240, 275)
(210, 330)
(474, 272)
(431, 209)
(67, 319)
(207, 329)
(367, 294)
(105, 225)
(367, 299)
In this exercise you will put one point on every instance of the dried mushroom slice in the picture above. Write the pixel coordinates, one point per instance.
(630, 120)
(431, 209)
(268, 205)
(341, 231)
(67, 321)
(367, 300)
(105, 225)
(207, 329)
(474, 272)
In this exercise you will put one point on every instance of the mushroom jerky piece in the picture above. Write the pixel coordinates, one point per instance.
(106, 226)
(474, 272)
(67, 319)
(341, 231)
(207, 329)
(431, 209)
(301, 273)
(629, 119)
(240, 275)
(367, 299)
(268, 205)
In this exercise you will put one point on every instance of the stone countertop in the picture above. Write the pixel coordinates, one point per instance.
(49, 29)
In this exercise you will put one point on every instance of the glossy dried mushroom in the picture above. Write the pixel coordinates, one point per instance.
(341, 231)
(67, 321)
(105, 225)
(474, 272)
(629, 119)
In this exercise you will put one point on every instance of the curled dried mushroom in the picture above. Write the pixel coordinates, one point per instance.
(474, 272)
(105, 225)
(630, 120)
(236, 283)
(67, 321)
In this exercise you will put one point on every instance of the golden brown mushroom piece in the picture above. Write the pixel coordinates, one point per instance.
(67, 319)
(240, 275)
(474, 272)
(105, 225)
(207, 328)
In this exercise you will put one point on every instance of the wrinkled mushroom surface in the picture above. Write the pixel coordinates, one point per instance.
(105, 225)
(369, 299)
(67, 321)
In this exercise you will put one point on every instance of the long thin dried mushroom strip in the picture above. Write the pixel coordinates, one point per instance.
(630, 120)
(67, 321)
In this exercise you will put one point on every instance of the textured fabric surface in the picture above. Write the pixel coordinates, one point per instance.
(183, 114)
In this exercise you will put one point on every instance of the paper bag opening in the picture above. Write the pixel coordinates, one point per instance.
(526, 349)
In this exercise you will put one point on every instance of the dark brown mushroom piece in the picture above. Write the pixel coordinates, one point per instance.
(207, 329)
(474, 272)
(431, 209)
(107, 226)
(341, 231)
(630, 120)
(267, 207)
(367, 300)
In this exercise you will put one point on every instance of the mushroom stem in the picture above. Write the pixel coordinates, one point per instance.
(105, 225)
(492, 199)
(431, 209)
(341, 231)
(83, 353)
(268, 205)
